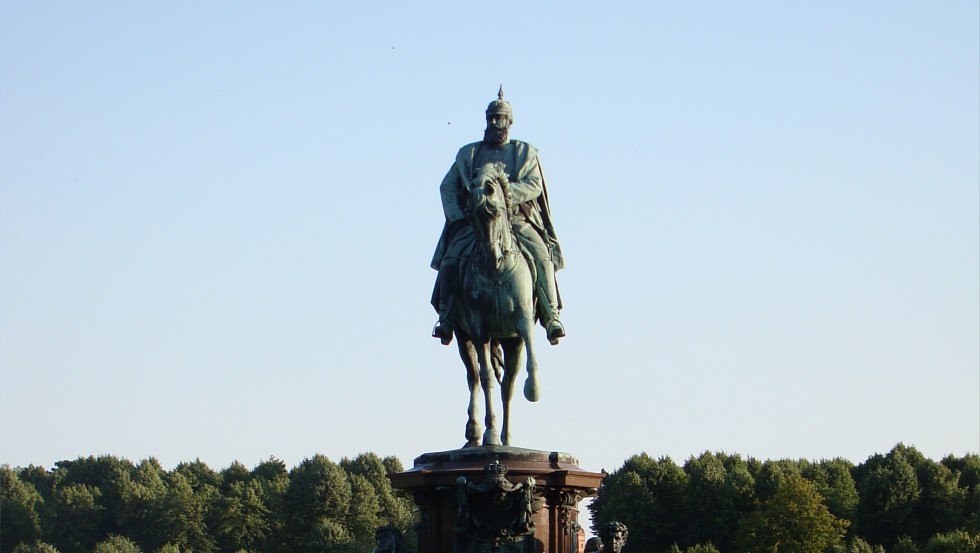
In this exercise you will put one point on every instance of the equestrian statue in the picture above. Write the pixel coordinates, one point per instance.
(497, 259)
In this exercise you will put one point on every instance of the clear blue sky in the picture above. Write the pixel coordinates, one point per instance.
(216, 221)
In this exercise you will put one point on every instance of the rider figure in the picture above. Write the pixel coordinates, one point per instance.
(530, 219)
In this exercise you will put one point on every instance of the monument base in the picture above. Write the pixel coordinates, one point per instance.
(497, 499)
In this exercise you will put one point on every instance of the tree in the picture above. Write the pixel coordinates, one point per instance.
(958, 541)
(244, 519)
(236, 472)
(968, 468)
(20, 505)
(117, 544)
(109, 474)
(699, 548)
(888, 491)
(720, 490)
(647, 496)
(36, 547)
(182, 515)
(392, 510)
(836, 485)
(198, 474)
(362, 518)
(74, 518)
(857, 545)
(317, 502)
(142, 503)
(941, 503)
(792, 520)
(271, 475)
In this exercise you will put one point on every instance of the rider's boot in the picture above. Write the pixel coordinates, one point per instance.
(548, 300)
(448, 276)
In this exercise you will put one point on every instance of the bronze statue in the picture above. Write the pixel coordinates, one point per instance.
(497, 258)
(613, 535)
(530, 219)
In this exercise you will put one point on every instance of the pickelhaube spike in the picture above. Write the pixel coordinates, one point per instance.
(500, 105)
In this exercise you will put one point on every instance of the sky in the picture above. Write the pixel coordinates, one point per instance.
(216, 222)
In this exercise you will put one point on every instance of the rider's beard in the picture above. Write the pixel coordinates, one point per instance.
(495, 137)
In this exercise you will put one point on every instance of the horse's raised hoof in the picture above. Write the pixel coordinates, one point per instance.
(532, 392)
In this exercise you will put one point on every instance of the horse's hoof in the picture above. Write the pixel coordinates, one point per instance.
(491, 438)
(471, 443)
(531, 390)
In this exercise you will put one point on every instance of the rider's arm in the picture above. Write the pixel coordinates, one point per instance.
(529, 187)
(450, 190)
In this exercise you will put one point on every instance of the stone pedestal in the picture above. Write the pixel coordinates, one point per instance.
(497, 499)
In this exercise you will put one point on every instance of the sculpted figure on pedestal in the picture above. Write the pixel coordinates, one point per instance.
(496, 258)
(530, 217)
(613, 535)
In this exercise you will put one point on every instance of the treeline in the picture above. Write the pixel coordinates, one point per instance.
(900, 502)
(110, 505)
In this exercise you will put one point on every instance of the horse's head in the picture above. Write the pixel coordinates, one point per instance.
(487, 209)
(488, 193)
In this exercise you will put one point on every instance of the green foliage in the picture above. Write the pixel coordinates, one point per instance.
(646, 496)
(957, 541)
(836, 485)
(117, 544)
(317, 502)
(889, 491)
(35, 547)
(75, 518)
(904, 544)
(903, 493)
(702, 548)
(198, 474)
(720, 491)
(968, 468)
(941, 502)
(857, 545)
(20, 505)
(793, 519)
(244, 521)
(901, 500)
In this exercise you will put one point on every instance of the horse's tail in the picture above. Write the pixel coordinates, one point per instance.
(497, 360)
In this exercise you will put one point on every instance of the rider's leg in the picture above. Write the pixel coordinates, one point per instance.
(548, 298)
(448, 284)
(545, 285)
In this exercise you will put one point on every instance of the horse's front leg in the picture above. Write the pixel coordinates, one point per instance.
(491, 436)
(513, 348)
(532, 389)
(469, 356)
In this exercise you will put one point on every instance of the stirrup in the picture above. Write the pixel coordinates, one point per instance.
(555, 331)
(443, 332)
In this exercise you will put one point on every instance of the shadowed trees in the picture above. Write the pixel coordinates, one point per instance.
(899, 501)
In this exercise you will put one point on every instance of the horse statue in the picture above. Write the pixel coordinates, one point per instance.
(494, 319)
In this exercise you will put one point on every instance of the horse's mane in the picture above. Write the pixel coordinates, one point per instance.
(499, 238)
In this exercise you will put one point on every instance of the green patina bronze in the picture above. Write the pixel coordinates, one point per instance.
(497, 259)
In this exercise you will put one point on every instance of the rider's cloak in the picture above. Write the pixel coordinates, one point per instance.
(527, 175)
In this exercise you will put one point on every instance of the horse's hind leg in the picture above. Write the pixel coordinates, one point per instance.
(513, 348)
(532, 389)
(491, 436)
(468, 354)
